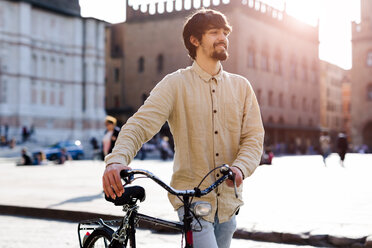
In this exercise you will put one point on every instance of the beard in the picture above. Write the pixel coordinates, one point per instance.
(223, 55)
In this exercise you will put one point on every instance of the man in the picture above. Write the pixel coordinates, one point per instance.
(214, 118)
(342, 147)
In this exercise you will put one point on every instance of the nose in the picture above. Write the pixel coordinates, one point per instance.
(222, 37)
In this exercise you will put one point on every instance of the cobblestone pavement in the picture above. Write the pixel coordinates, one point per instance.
(296, 194)
(37, 233)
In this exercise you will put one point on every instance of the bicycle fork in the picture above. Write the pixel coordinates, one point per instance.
(187, 220)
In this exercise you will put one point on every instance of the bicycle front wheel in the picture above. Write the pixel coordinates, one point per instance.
(99, 238)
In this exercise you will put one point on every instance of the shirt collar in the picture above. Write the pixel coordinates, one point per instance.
(205, 76)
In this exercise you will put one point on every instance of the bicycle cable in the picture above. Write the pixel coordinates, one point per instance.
(192, 198)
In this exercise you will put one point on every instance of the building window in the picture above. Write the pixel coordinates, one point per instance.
(160, 65)
(251, 57)
(116, 102)
(293, 68)
(141, 64)
(277, 66)
(33, 93)
(259, 96)
(34, 65)
(293, 102)
(311, 122)
(314, 105)
(264, 61)
(304, 70)
(116, 74)
(369, 59)
(304, 104)
(53, 68)
(369, 92)
(281, 100)
(314, 72)
(43, 97)
(271, 101)
(270, 120)
(61, 70)
(61, 98)
(52, 98)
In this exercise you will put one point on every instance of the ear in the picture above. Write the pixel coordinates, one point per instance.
(194, 41)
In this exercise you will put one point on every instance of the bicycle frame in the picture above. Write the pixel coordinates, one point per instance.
(132, 217)
(135, 218)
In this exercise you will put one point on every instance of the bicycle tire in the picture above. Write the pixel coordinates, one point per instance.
(100, 237)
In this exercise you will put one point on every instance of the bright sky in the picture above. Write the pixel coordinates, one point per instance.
(334, 16)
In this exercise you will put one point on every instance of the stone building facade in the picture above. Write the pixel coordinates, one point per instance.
(334, 116)
(361, 76)
(51, 70)
(275, 52)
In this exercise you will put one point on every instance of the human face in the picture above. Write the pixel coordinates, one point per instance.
(109, 126)
(214, 43)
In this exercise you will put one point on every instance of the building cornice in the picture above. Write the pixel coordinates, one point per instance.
(68, 8)
(252, 8)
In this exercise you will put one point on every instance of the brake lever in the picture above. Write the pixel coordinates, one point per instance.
(129, 179)
(225, 169)
(235, 188)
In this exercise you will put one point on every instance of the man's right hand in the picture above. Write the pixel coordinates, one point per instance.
(111, 181)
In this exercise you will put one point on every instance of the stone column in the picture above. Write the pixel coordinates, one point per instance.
(24, 65)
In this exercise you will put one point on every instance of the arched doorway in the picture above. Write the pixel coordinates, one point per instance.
(367, 135)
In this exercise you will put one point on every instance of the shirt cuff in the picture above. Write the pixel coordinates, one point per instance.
(114, 159)
(245, 172)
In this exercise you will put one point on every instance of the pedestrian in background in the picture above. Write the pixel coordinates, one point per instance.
(65, 156)
(26, 159)
(325, 146)
(24, 134)
(40, 158)
(165, 149)
(342, 146)
(111, 134)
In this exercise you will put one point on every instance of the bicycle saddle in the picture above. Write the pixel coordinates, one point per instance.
(131, 195)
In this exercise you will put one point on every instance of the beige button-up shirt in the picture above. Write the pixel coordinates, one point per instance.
(215, 120)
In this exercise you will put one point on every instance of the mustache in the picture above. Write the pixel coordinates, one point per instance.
(220, 43)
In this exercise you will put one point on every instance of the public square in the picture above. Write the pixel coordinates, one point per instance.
(294, 195)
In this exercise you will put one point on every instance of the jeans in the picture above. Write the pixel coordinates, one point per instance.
(212, 235)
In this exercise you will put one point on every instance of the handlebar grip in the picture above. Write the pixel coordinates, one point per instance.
(124, 174)
(225, 169)
(127, 176)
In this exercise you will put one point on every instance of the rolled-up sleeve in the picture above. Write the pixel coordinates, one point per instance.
(143, 125)
(252, 135)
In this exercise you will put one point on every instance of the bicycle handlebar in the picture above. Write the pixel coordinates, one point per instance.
(127, 176)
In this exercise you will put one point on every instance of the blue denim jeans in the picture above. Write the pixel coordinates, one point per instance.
(212, 235)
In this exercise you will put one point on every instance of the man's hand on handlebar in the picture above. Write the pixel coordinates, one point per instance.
(238, 177)
(111, 181)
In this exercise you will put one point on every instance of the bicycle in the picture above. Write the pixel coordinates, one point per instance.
(104, 235)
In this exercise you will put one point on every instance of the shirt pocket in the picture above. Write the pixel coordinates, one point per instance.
(233, 115)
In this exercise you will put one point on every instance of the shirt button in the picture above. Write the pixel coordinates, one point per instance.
(217, 154)
(218, 194)
(218, 175)
(213, 91)
(214, 111)
(216, 132)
